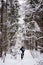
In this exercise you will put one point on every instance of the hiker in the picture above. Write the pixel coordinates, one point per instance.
(3, 56)
(22, 54)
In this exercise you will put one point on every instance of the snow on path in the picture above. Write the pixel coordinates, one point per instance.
(27, 60)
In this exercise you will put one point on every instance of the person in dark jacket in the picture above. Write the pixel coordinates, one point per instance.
(22, 54)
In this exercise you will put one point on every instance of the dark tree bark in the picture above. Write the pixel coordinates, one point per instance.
(2, 2)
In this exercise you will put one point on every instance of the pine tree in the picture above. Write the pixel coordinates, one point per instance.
(3, 26)
(9, 25)
(12, 22)
(33, 16)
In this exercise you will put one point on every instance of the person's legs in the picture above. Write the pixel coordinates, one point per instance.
(0, 51)
(22, 55)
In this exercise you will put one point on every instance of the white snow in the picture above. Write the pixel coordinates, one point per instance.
(0, 4)
(40, 38)
(21, 2)
(38, 57)
(37, 28)
(5, 0)
(27, 60)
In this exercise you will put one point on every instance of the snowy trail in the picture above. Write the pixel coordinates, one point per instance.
(27, 60)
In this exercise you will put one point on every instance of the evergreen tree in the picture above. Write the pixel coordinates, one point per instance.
(12, 22)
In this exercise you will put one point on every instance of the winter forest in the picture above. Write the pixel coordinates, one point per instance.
(21, 32)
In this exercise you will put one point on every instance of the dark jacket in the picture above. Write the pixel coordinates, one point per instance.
(22, 49)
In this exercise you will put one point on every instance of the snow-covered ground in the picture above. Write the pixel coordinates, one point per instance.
(27, 60)
(30, 58)
(38, 57)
